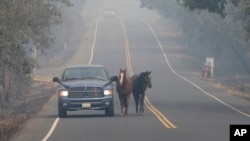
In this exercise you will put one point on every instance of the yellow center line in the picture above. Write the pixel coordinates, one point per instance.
(126, 44)
(161, 117)
(159, 114)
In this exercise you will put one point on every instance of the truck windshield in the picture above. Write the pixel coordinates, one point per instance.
(84, 73)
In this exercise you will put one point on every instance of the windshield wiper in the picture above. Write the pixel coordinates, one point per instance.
(93, 78)
(71, 79)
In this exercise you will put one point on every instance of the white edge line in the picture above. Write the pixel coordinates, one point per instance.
(53, 127)
(93, 45)
(192, 83)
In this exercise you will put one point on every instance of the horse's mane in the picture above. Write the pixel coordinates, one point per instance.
(140, 78)
(141, 75)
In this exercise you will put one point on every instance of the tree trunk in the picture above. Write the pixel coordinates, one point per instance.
(1, 86)
(1, 96)
(6, 87)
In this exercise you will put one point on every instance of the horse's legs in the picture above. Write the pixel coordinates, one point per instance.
(136, 97)
(121, 104)
(125, 106)
(142, 102)
(126, 103)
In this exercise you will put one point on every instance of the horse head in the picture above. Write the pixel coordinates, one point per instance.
(146, 78)
(122, 76)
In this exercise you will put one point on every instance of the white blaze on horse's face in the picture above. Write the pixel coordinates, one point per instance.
(121, 78)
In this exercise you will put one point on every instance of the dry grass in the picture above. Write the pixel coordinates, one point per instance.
(8, 126)
(241, 89)
(13, 117)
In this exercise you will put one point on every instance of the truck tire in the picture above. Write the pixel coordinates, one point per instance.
(62, 113)
(110, 111)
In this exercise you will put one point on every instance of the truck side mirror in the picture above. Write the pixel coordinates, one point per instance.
(114, 78)
(56, 79)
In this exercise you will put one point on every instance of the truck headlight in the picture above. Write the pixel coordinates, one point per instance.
(63, 93)
(108, 92)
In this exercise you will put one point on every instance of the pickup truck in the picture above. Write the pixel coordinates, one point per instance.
(85, 87)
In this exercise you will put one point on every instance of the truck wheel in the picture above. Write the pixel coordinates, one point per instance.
(61, 112)
(110, 111)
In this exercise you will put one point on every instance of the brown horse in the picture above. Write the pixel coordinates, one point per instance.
(124, 90)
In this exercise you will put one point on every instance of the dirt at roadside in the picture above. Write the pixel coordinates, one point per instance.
(13, 117)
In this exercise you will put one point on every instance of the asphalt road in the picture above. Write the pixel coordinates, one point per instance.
(181, 106)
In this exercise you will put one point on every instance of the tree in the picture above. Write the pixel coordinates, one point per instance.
(215, 6)
(246, 17)
(212, 6)
(23, 25)
(212, 27)
(218, 6)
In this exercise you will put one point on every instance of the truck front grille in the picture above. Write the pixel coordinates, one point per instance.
(85, 92)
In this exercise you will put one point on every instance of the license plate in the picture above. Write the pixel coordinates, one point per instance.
(86, 105)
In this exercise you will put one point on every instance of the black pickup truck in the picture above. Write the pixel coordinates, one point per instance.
(85, 87)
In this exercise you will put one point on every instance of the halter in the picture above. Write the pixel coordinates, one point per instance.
(122, 77)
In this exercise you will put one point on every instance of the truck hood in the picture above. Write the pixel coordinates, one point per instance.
(85, 83)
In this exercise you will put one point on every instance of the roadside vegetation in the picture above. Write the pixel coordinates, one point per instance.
(213, 28)
(29, 30)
